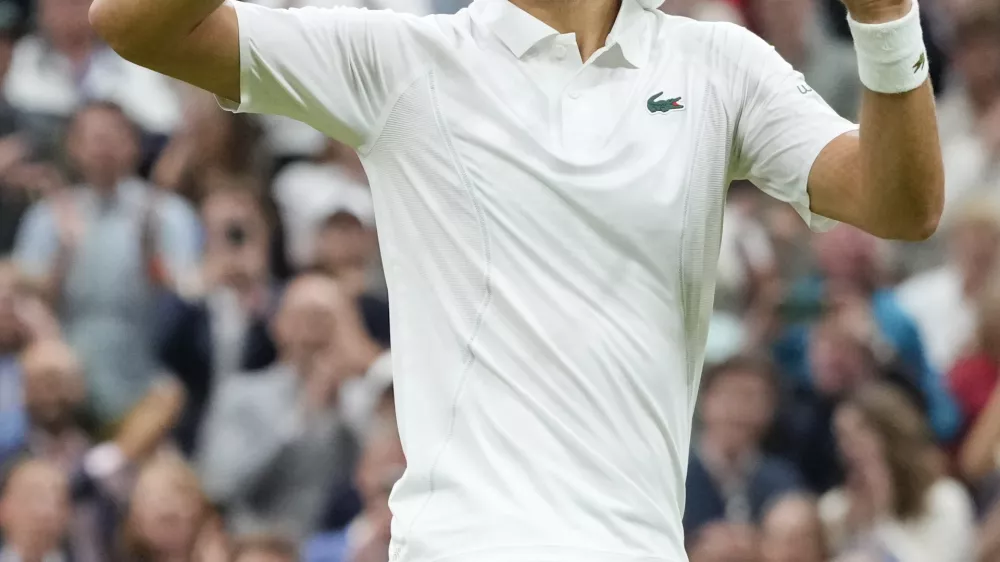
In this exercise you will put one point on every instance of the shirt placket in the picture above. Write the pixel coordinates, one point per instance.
(562, 66)
(585, 108)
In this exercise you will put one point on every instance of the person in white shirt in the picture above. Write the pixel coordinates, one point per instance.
(62, 66)
(548, 181)
(943, 301)
(895, 500)
(307, 193)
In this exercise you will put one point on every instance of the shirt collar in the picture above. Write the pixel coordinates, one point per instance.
(630, 32)
(520, 31)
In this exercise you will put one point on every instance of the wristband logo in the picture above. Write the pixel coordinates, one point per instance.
(917, 66)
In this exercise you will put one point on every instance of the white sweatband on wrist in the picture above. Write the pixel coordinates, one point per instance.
(891, 55)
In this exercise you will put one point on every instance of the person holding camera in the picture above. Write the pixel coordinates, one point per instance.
(215, 321)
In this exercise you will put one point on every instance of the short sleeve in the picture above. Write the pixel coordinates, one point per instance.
(783, 126)
(335, 69)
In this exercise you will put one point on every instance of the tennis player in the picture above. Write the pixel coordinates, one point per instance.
(548, 178)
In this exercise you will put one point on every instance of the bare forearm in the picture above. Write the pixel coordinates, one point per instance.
(888, 179)
(150, 421)
(900, 157)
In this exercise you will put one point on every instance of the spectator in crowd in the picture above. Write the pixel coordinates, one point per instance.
(838, 363)
(15, 143)
(216, 323)
(746, 254)
(55, 70)
(169, 518)
(34, 513)
(326, 207)
(215, 149)
(344, 250)
(212, 147)
(265, 548)
(792, 531)
(895, 498)
(101, 249)
(14, 199)
(53, 390)
(979, 456)
(274, 442)
(943, 301)
(23, 319)
(969, 123)
(974, 380)
(309, 191)
(366, 538)
(969, 115)
(852, 285)
(797, 30)
(729, 476)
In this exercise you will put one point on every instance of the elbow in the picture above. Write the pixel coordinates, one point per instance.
(923, 227)
(922, 221)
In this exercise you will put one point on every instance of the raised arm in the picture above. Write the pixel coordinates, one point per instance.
(196, 41)
(888, 178)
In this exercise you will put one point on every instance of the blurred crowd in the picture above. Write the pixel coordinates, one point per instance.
(194, 329)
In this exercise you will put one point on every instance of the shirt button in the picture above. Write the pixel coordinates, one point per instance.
(574, 95)
(560, 52)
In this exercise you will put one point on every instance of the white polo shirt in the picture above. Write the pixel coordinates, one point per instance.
(549, 229)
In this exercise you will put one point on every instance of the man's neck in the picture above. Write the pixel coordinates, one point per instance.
(590, 20)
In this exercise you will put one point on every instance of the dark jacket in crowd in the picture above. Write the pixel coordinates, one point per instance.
(706, 502)
(186, 348)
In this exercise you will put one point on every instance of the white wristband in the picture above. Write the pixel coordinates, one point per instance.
(891, 56)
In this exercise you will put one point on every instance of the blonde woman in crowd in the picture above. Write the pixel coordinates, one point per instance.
(170, 519)
(895, 501)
